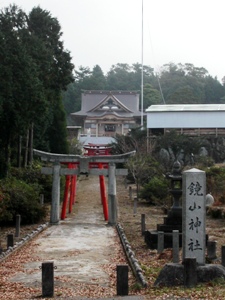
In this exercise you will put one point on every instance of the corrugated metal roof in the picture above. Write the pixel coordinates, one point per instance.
(186, 107)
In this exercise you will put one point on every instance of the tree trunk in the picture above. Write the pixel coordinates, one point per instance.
(26, 150)
(31, 144)
(19, 151)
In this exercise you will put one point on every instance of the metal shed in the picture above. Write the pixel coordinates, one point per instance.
(186, 116)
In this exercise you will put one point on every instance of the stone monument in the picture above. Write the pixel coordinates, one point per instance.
(193, 235)
(194, 188)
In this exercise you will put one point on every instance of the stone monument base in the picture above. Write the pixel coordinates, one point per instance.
(151, 239)
(173, 274)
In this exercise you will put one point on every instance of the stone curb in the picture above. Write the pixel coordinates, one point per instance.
(23, 241)
(133, 262)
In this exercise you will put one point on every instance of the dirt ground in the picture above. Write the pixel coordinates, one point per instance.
(130, 219)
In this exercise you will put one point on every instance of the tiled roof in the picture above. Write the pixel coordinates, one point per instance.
(103, 140)
(91, 99)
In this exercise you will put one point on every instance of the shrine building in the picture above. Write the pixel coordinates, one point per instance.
(107, 113)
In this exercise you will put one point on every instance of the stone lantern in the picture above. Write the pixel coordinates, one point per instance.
(173, 221)
(175, 214)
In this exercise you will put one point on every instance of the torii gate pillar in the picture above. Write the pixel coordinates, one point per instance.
(54, 217)
(112, 205)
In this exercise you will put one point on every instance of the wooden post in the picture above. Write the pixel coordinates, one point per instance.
(18, 219)
(190, 272)
(130, 192)
(223, 256)
(135, 205)
(211, 249)
(143, 228)
(48, 279)
(10, 240)
(122, 280)
(103, 194)
(65, 198)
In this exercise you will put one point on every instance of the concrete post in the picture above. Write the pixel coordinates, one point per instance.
(112, 195)
(122, 280)
(160, 244)
(18, 219)
(175, 246)
(54, 217)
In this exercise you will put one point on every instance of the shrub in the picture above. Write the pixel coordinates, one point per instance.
(215, 177)
(216, 212)
(33, 176)
(5, 214)
(205, 161)
(156, 190)
(20, 198)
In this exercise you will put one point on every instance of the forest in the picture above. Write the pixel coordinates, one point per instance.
(175, 84)
(34, 70)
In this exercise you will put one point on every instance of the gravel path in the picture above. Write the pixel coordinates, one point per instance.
(84, 249)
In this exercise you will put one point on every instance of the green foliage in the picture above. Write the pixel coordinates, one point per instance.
(74, 147)
(20, 198)
(156, 190)
(135, 140)
(142, 167)
(151, 96)
(215, 178)
(5, 214)
(181, 83)
(33, 176)
(123, 144)
(57, 134)
(136, 287)
(205, 162)
(178, 146)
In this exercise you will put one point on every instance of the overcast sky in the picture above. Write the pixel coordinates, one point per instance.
(107, 32)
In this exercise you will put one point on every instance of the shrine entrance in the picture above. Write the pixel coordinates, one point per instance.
(73, 165)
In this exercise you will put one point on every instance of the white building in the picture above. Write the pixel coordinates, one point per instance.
(182, 116)
(188, 119)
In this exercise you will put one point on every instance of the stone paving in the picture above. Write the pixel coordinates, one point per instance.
(79, 246)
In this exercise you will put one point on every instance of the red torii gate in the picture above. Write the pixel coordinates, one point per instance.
(71, 180)
(85, 165)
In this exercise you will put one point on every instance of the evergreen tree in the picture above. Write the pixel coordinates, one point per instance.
(34, 69)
